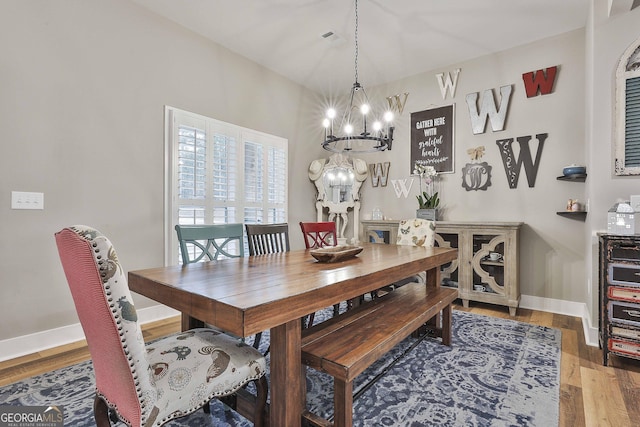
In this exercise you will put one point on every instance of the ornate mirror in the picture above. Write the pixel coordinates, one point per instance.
(338, 180)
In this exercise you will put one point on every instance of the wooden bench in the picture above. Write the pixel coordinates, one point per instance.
(346, 345)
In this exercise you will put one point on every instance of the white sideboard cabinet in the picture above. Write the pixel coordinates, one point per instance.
(487, 268)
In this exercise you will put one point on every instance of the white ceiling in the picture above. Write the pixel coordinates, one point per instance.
(397, 38)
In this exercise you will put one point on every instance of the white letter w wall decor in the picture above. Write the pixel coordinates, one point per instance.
(448, 83)
(512, 166)
(379, 174)
(401, 188)
(479, 120)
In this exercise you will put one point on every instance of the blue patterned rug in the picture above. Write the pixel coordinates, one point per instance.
(498, 372)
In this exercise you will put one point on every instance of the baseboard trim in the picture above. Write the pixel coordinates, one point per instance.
(568, 308)
(33, 343)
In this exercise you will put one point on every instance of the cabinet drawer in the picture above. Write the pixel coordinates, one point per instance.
(625, 333)
(624, 251)
(624, 274)
(625, 347)
(624, 294)
(622, 312)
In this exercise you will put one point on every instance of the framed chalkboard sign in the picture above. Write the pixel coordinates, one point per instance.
(432, 138)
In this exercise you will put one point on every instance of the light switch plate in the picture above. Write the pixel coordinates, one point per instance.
(27, 200)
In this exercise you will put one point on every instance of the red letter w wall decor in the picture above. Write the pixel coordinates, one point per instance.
(512, 165)
(539, 81)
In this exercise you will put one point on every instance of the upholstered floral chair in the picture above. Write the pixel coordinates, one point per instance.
(166, 379)
(416, 232)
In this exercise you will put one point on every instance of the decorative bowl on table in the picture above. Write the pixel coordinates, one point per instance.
(574, 170)
(335, 253)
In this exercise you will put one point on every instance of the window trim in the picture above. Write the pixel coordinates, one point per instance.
(622, 75)
(170, 171)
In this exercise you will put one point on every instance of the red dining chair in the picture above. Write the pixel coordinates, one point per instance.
(147, 385)
(319, 235)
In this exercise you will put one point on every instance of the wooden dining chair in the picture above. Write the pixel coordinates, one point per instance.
(267, 238)
(209, 242)
(319, 234)
(147, 385)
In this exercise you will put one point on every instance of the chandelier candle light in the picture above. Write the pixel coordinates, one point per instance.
(379, 139)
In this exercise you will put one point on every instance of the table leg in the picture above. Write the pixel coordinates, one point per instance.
(433, 280)
(189, 322)
(288, 383)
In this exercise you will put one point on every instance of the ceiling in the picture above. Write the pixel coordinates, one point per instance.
(397, 38)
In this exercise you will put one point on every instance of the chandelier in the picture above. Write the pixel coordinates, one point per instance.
(356, 137)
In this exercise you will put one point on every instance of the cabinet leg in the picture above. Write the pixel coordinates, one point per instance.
(465, 303)
(512, 311)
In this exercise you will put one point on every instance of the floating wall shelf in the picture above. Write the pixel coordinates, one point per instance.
(579, 215)
(579, 177)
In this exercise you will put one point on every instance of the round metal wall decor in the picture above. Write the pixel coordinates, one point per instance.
(476, 176)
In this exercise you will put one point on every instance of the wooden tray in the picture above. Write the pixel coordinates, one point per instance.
(335, 253)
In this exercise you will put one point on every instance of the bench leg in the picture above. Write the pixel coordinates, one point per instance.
(446, 325)
(342, 403)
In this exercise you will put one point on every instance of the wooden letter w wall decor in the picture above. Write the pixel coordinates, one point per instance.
(512, 165)
(379, 174)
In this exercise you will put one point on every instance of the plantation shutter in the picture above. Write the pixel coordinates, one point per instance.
(221, 173)
(632, 123)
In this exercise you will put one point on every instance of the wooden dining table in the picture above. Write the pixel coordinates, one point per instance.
(244, 296)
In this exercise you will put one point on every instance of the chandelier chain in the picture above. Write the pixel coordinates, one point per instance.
(356, 44)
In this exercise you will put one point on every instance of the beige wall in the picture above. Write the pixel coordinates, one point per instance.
(607, 41)
(552, 246)
(84, 85)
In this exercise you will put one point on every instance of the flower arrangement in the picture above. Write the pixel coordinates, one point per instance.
(428, 199)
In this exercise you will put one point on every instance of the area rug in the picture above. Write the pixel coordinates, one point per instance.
(498, 372)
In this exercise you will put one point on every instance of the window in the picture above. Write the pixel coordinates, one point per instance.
(219, 173)
(627, 127)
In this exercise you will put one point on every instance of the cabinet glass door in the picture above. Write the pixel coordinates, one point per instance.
(488, 263)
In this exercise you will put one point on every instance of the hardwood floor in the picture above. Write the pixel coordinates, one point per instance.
(590, 393)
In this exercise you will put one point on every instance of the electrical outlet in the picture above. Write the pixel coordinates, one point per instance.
(27, 200)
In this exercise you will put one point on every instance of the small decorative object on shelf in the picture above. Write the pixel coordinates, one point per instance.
(574, 169)
(573, 205)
